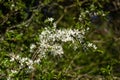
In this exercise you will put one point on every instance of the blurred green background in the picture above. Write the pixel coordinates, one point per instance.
(21, 22)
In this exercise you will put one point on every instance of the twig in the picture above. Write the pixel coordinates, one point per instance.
(65, 11)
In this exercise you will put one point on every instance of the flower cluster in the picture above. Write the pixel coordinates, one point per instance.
(24, 61)
(51, 40)
(89, 13)
(91, 45)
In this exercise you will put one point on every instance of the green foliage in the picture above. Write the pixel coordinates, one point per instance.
(90, 45)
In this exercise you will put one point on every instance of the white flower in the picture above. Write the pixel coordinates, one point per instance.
(49, 39)
(17, 57)
(32, 47)
(31, 67)
(87, 11)
(12, 5)
(80, 18)
(14, 71)
(90, 44)
(54, 25)
(50, 19)
(57, 49)
(88, 28)
(12, 59)
(103, 14)
(95, 14)
(94, 46)
(24, 59)
(37, 61)
(29, 62)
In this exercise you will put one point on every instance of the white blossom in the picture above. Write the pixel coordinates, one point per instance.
(50, 19)
(17, 57)
(32, 47)
(57, 50)
(13, 5)
(92, 45)
(49, 39)
(14, 71)
(37, 61)
(54, 25)
(103, 14)
(23, 61)
(12, 59)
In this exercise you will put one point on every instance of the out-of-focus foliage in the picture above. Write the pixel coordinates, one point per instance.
(59, 39)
